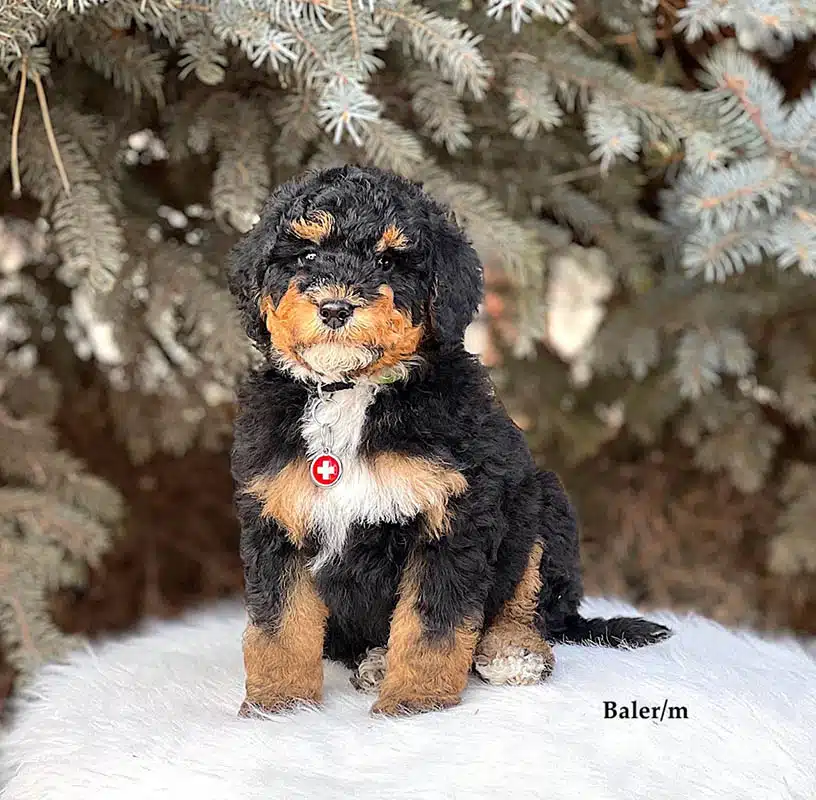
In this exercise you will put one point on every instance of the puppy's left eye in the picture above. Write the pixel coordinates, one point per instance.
(385, 263)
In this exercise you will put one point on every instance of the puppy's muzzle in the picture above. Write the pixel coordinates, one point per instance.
(335, 313)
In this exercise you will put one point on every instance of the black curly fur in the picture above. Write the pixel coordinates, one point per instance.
(445, 411)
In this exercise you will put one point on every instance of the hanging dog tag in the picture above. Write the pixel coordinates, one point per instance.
(326, 470)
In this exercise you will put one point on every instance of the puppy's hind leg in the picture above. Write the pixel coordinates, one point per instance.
(512, 651)
(370, 671)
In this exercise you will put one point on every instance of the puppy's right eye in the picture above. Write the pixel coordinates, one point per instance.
(310, 256)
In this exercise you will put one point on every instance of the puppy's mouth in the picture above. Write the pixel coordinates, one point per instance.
(335, 360)
(331, 334)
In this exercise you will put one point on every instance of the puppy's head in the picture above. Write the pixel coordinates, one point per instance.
(354, 272)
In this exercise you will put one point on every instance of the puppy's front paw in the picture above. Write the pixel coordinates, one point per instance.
(396, 706)
(258, 709)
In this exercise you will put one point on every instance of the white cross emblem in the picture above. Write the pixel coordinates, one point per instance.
(326, 470)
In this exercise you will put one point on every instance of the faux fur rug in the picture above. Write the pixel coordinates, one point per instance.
(153, 716)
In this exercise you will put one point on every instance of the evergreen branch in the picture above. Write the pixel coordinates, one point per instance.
(498, 238)
(623, 343)
(736, 355)
(27, 448)
(86, 231)
(202, 54)
(192, 125)
(327, 154)
(799, 137)
(745, 451)
(669, 113)
(609, 132)
(261, 34)
(343, 107)
(446, 45)
(704, 152)
(532, 101)
(22, 24)
(129, 64)
(440, 113)
(88, 237)
(762, 24)
(242, 178)
(88, 130)
(697, 361)
(794, 240)
(355, 41)
(357, 49)
(28, 647)
(275, 34)
(728, 434)
(46, 120)
(54, 518)
(588, 218)
(717, 255)
(388, 146)
(299, 126)
(522, 11)
(31, 639)
(183, 316)
(75, 533)
(314, 11)
(174, 20)
(760, 98)
(797, 399)
(735, 195)
(593, 223)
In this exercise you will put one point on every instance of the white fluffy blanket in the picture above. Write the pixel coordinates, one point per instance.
(153, 716)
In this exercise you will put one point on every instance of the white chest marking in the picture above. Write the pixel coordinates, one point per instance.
(359, 496)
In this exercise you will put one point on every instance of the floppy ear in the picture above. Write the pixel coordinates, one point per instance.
(249, 260)
(457, 286)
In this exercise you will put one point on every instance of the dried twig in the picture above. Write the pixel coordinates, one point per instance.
(16, 189)
(49, 131)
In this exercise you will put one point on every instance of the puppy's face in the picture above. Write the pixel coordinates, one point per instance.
(346, 299)
(346, 271)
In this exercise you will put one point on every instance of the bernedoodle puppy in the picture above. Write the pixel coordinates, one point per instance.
(392, 516)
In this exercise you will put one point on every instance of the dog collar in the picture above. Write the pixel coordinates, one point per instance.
(337, 386)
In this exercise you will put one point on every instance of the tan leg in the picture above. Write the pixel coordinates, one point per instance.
(285, 666)
(422, 674)
(512, 651)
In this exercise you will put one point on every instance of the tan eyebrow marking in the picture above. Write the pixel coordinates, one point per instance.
(315, 229)
(393, 238)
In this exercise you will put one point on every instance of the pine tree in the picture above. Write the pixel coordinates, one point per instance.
(148, 132)
(55, 518)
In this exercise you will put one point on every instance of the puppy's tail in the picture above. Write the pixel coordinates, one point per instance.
(561, 586)
(614, 632)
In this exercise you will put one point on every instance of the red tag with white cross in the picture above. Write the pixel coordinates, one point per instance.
(326, 470)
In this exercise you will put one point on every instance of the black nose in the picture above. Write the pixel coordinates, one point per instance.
(334, 313)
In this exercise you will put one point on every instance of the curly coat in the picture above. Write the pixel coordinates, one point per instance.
(442, 547)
